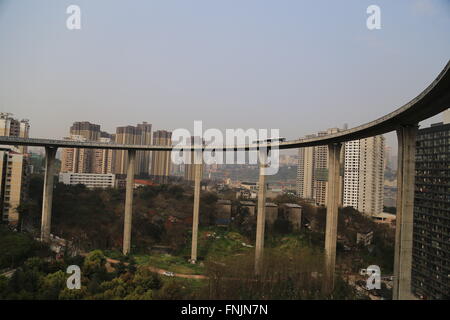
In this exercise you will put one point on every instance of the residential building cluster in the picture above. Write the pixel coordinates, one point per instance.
(79, 162)
(363, 164)
(14, 162)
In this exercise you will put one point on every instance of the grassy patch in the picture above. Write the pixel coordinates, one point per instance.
(286, 242)
(216, 242)
(168, 262)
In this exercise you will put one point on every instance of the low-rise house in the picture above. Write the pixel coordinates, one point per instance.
(223, 212)
(248, 205)
(293, 213)
(271, 213)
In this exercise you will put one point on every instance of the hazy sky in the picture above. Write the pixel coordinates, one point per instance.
(300, 66)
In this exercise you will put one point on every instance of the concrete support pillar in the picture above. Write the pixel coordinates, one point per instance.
(333, 200)
(47, 197)
(129, 202)
(198, 163)
(261, 217)
(405, 212)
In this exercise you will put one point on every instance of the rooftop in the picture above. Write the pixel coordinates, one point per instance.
(292, 205)
(271, 204)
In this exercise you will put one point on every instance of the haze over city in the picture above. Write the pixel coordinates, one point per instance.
(300, 67)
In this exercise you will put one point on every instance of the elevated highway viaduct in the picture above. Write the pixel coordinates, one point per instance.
(404, 120)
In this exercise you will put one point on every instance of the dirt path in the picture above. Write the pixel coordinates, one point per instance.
(157, 270)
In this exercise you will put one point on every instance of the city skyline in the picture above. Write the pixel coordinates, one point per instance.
(268, 46)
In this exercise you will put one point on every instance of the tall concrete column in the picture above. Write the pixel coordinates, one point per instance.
(333, 200)
(195, 215)
(129, 203)
(47, 197)
(405, 212)
(261, 217)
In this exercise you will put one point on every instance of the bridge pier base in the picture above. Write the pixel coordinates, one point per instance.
(405, 212)
(128, 203)
(47, 197)
(261, 217)
(333, 200)
(198, 164)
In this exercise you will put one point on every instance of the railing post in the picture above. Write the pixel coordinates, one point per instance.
(47, 196)
(129, 202)
(405, 212)
(333, 196)
(261, 217)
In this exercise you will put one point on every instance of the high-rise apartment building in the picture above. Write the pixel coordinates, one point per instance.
(11, 127)
(100, 161)
(141, 134)
(305, 172)
(143, 158)
(320, 173)
(364, 166)
(90, 131)
(312, 171)
(124, 135)
(13, 180)
(14, 164)
(431, 235)
(104, 158)
(81, 160)
(161, 160)
(77, 160)
(352, 173)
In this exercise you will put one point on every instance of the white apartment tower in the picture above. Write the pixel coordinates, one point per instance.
(312, 171)
(364, 174)
(351, 173)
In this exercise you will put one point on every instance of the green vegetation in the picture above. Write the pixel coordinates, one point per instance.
(44, 279)
(214, 242)
(169, 262)
(92, 220)
(16, 247)
(350, 222)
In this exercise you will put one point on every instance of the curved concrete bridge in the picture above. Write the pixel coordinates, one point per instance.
(404, 120)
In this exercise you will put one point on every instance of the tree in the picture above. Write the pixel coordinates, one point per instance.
(94, 266)
(51, 285)
(16, 247)
(171, 290)
(147, 280)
